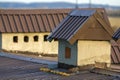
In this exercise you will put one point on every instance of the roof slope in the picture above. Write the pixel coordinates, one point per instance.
(115, 52)
(117, 34)
(30, 20)
(89, 24)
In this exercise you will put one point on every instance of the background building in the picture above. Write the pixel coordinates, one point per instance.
(27, 29)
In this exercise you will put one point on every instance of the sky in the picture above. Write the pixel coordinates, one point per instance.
(108, 2)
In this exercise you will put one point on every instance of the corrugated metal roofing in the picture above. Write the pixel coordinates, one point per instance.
(117, 34)
(115, 52)
(71, 24)
(70, 28)
(31, 20)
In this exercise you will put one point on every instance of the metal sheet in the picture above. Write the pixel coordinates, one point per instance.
(6, 23)
(34, 23)
(11, 21)
(24, 24)
(31, 20)
(2, 26)
(49, 18)
(29, 23)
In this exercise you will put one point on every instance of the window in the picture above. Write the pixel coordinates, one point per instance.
(36, 38)
(26, 39)
(15, 39)
(45, 37)
(67, 52)
(55, 39)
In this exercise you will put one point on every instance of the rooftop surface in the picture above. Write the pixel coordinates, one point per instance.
(13, 69)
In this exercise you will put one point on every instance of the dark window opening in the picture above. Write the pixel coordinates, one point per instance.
(45, 37)
(67, 52)
(36, 38)
(55, 39)
(26, 39)
(15, 39)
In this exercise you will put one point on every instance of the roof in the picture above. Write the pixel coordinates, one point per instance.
(118, 41)
(86, 24)
(115, 52)
(116, 35)
(30, 20)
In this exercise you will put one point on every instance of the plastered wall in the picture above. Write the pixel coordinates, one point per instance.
(90, 52)
(41, 46)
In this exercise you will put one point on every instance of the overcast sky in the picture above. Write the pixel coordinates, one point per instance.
(109, 2)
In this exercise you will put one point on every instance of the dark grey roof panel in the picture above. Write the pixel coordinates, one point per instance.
(82, 12)
(117, 34)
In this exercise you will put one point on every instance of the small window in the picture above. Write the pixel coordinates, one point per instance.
(67, 52)
(36, 38)
(15, 39)
(45, 37)
(26, 39)
(55, 39)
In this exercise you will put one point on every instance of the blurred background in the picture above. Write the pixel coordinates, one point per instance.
(112, 6)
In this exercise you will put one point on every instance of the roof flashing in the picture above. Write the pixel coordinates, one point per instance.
(82, 12)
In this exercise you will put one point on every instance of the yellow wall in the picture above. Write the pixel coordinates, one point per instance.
(90, 52)
(40, 46)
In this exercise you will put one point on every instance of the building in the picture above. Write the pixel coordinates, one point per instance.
(84, 38)
(27, 29)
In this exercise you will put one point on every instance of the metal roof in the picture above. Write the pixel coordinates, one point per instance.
(82, 12)
(72, 27)
(71, 24)
(117, 34)
(30, 20)
(115, 52)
